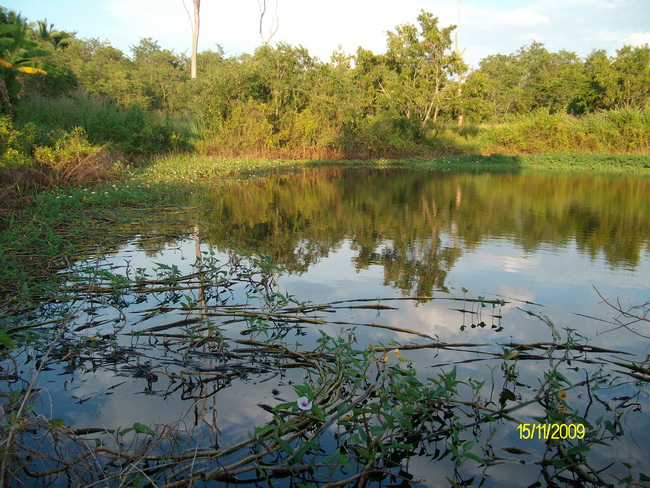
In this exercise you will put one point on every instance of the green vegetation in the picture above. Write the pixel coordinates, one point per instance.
(417, 99)
(81, 112)
(92, 138)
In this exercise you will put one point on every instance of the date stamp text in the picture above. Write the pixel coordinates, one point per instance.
(551, 431)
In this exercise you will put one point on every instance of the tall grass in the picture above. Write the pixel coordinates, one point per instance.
(616, 131)
(130, 131)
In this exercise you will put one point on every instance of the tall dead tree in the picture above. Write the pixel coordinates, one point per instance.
(194, 22)
(195, 36)
(275, 22)
(459, 92)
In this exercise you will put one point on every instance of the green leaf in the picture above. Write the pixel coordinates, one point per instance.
(259, 432)
(468, 445)
(403, 421)
(35, 53)
(6, 340)
(57, 423)
(284, 406)
(365, 454)
(7, 28)
(473, 456)
(142, 429)
(577, 449)
(299, 453)
(341, 458)
(562, 378)
(400, 445)
(284, 444)
(318, 412)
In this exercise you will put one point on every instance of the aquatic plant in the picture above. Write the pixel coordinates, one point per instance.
(359, 415)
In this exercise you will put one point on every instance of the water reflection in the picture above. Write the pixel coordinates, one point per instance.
(185, 339)
(417, 224)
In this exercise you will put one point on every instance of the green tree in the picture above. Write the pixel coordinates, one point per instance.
(550, 80)
(531, 78)
(622, 81)
(18, 56)
(44, 32)
(102, 69)
(425, 65)
(499, 80)
(632, 71)
(599, 83)
(160, 75)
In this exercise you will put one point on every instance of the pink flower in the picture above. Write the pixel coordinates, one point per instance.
(304, 403)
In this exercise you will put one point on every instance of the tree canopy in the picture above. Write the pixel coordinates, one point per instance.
(282, 98)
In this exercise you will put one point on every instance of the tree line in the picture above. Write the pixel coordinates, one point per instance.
(280, 99)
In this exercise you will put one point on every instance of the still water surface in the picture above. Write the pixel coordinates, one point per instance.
(545, 244)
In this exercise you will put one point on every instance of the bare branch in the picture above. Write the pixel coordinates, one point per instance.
(630, 314)
(275, 20)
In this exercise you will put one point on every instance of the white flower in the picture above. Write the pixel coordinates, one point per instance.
(304, 403)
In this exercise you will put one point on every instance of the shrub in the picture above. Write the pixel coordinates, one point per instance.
(69, 159)
(616, 131)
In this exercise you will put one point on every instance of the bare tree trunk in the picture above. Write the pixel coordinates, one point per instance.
(195, 36)
(459, 93)
(4, 98)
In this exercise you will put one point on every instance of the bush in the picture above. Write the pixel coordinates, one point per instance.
(616, 131)
(69, 159)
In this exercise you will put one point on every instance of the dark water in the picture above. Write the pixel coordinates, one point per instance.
(545, 244)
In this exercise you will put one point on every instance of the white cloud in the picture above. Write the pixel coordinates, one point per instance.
(520, 17)
(637, 39)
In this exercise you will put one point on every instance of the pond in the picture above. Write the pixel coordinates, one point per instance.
(438, 327)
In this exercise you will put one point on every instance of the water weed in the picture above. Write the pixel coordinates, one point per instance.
(358, 414)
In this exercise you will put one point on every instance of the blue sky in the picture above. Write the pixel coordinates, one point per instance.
(486, 27)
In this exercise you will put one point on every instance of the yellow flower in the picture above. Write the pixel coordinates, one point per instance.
(384, 358)
(561, 395)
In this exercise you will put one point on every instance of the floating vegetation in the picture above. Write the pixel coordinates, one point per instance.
(342, 410)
